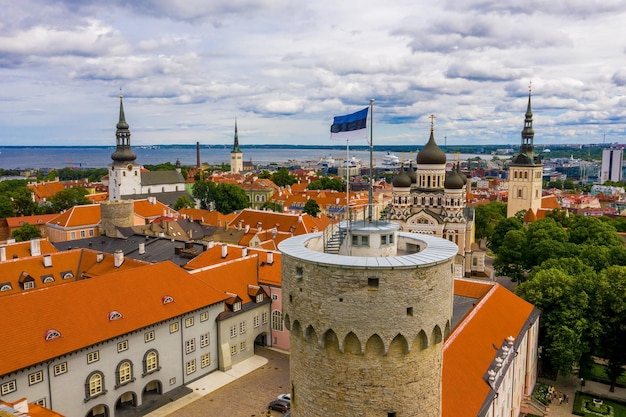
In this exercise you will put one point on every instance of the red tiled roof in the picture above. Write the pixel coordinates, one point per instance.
(84, 321)
(146, 209)
(77, 216)
(39, 219)
(21, 250)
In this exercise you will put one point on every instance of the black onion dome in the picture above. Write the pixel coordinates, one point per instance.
(453, 181)
(461, 174)
(402, 179)
(431, 153)
(412, 174)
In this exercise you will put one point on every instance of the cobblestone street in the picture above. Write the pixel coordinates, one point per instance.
(247, 396)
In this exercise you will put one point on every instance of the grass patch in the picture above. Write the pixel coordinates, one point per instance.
(584, 405)
(598, 374)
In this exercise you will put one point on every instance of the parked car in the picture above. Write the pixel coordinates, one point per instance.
(279, 405)
(286, 397)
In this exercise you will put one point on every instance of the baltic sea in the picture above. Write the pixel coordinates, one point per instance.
(16, 157)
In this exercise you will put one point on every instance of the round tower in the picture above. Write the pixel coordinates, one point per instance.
(367, 322)
(116, 214)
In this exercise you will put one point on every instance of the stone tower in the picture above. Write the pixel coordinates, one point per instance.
(368, 309)
(124, 172)
(236, 156)
(525, 172)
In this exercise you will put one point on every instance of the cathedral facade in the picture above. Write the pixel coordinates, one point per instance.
(433, 201)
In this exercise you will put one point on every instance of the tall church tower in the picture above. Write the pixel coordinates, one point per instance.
(124, 172)
(236, 156)
(525, 172)
(368, 309)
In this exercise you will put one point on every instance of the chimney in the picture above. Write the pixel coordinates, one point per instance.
(142, 248)
(270, 258)
(47, 261)
(224, 250)
(3, 253)
(211, 244)
(247, 229)
(244, 251)
(240, 224)
(99, 257)
(35, 247)
(118, 258)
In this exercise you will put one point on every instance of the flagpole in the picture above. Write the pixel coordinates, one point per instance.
(371, 190)
(347, 179)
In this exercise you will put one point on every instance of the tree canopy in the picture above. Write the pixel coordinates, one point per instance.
(68, 198)
(282, 177)
(327, 183)
(26, 232)
(223, 197)
(312, 208)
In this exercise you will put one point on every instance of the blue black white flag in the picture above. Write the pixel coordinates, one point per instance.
(350, 127)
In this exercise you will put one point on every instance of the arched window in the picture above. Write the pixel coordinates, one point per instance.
(124, 373)
(277, 320)
(150, 362)
(94, 386)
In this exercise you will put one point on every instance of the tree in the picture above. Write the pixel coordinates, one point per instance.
(6, 207)
(270, 205)
(311, 208)
(184, 202)
(500, 231)
(510, 260)
(265, 174)
(204, 191)
(487, 217)
(593, 231)
(26, 232)
(282, 177)
(23, 204)
(69, 198)
(327, 183)
(229, 198)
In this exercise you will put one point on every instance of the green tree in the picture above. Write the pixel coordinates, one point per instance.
(500, 231)
(265, 174)
(282, 177)
(26, 232)
(593, 231)
(23, 204)
(510, 260)
(229, 198)
(311, 208)
(6, 207)
(327, 183)
(487, 217)
(270, 205)
(184, 202)
(205, 192)
(69, 198)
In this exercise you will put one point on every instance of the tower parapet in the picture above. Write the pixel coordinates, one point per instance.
(367, 324)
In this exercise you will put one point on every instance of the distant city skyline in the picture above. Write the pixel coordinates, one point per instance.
(283, 69)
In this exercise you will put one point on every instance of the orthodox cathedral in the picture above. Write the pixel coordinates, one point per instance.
(432, 201)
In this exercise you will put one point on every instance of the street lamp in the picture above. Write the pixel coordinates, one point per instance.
(582, 384)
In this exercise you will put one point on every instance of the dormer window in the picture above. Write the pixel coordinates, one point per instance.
(259, 298)
(115, 315)
(52, 334)
(168, 299)
(67, 275)
(46, 279)
(237, 306)
(5, 287)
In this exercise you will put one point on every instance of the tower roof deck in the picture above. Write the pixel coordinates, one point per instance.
(413, 249)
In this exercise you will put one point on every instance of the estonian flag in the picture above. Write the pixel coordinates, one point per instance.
(350, 127)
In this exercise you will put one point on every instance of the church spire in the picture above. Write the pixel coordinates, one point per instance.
(528, 134)
(123, 152)
(236, 142)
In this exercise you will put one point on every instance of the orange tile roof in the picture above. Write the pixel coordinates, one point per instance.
(146, 209)
(23, 408)
(20, 250)
(39, 219)
(78, 216)
(78, 262)
(213, 218)
(84, 321)
(45, 190)
(232, 277)
(550, 202)
(97, 197)
(497, 315)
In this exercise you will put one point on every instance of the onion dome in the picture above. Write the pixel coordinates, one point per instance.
(411, 173)
(461, 174)
(401, 180)
(431, 153)
(453, 181)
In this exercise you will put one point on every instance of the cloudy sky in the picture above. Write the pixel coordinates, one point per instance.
(284, 68)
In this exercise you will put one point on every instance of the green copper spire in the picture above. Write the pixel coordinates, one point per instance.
(123, 152)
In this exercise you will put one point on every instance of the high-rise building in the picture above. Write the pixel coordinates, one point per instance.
(612, 165)
(525, 172)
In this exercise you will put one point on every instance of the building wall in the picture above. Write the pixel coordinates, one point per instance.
(612, 163)
(124, 180)
(279, 337)
(66, 392)
(525, 185)
(369, 350)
